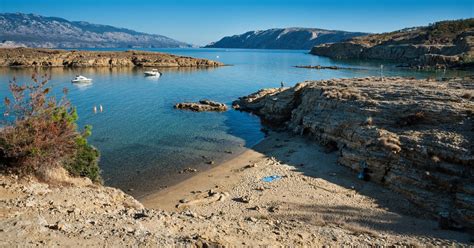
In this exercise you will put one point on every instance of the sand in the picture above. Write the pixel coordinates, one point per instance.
(314, 190)
(314, 202)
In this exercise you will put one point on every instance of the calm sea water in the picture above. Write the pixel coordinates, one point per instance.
(144, 142)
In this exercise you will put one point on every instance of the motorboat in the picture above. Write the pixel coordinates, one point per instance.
(81, 79)
(153, 73)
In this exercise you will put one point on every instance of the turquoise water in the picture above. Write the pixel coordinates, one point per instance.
(144, 142)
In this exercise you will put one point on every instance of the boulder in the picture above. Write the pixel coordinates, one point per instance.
(201, 106)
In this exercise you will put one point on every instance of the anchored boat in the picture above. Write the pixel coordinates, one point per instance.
(153, 73)
(81, 79)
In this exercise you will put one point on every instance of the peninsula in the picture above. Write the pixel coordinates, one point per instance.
(35, 57)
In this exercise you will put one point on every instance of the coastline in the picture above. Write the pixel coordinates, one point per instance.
(314, 191)
(167, 198)
(287, 190)
(315, 202)
(42, 57)
(172, 180)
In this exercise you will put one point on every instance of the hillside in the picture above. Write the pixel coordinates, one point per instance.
(442, 44)
(52, 32)
(283, 38)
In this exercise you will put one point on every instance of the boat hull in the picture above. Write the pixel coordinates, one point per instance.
(83, 81)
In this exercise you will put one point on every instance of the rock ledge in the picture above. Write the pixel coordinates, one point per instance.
(413, 136)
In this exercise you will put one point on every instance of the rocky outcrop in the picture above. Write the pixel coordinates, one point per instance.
(322, 67)
(202, 106)
(53, 32)
(29, 57)
(414, 136)
(283, 38)
(441, 45)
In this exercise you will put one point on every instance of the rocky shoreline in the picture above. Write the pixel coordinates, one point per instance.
(31, 57)
(448, 44)
(322, 67)
(413, 136)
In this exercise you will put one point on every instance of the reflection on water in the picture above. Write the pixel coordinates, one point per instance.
(144, 141)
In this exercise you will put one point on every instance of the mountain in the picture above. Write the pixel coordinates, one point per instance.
(52, 32)
(283, 38)
(440, 45)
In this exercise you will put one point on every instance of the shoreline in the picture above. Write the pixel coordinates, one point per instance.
(177, 178)
(167, 198)
(41, 57)
(313, 191)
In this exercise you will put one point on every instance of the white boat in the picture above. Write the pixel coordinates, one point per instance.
(81, 79)
(153, 72)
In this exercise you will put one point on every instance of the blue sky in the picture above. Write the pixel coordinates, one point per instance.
(201, 22)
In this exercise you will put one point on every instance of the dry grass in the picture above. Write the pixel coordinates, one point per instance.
(342, 94)
(389, 141)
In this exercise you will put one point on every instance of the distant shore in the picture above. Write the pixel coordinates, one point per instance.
(39, 57)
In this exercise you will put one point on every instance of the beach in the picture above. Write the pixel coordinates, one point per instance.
(313, 202)
(293, 188)
(313, 191)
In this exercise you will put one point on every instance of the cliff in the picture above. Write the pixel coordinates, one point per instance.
(53, 32)
(283, 38)
(30, 57)
(440, 45)
(413, 136)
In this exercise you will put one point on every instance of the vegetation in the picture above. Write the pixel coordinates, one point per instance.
(443, 32)
(40, 133)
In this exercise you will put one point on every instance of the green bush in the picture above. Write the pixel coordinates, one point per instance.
(40, 133)
(85, 163)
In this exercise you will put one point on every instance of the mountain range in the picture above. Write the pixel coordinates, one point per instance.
(284, 38)
(32, 30)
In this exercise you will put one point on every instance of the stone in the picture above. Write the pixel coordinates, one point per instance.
(201, 106)
(187, 170)
(243, 199)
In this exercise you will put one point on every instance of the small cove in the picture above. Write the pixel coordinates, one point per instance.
(144, 142)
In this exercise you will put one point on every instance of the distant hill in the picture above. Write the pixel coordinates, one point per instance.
(52, 32)
(441, 44)
(283, 38)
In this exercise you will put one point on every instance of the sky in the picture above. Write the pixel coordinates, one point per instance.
(200, 22)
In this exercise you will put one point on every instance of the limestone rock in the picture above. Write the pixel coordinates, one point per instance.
(201, 106)
(414, 136)
(441, 45)
(30, 57)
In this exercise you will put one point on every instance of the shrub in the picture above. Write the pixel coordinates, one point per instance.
(40, 134)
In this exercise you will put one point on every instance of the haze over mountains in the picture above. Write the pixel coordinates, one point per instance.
(284, 38)
(53, 32)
